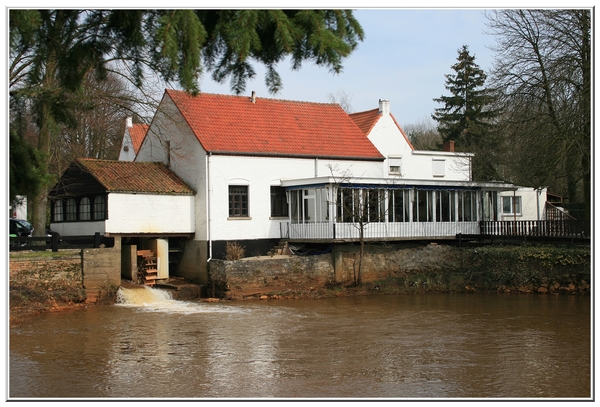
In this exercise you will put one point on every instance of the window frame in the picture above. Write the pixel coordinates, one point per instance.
(71, 210)
(244, 201)
(438, 167)
(511, 200)
(279, 202)
(98, 210)
(85, 209)
(58, 204)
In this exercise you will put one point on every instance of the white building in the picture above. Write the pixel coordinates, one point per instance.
(132, 139)
(265, 169)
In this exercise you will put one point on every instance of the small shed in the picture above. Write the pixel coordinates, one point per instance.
(144, 203)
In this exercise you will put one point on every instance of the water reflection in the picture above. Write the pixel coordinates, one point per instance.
(413, 346)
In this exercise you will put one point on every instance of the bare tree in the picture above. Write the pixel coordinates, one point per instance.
(543, 75)
(343, 99)
(359, 207)
(424, 135)
(99, 123)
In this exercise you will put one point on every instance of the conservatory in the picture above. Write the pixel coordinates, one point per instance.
(381, 211)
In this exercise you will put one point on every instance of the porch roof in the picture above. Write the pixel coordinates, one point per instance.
(390, 183)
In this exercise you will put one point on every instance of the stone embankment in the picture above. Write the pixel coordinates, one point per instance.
(405, 268)
(81, 278)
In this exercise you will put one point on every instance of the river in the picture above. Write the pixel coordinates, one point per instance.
(414, 346)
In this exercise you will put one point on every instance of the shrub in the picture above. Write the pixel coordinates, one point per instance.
(234, 251)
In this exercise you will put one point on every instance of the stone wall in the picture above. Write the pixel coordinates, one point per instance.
(443, 266)
(57, 277)
(101, 271)
(277, 271)
(73, 275)
(339, 266)
(383, 260)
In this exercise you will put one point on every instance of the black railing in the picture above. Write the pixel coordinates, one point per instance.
(539, 228)
(56, 241)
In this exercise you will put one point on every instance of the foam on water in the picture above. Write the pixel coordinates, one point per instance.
(157, 300)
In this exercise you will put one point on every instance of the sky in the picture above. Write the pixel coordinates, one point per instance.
(404, 58)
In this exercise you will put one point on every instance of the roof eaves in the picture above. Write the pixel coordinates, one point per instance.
(168, 92)
(81, 163)
(283, 155)
(402, 131)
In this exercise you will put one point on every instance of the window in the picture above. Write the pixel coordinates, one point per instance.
(84, 209)
(348, 205)
(444, 204)
(398, 205)
(423, 206)
(279, 205)
(99, 208)
(238, 201)
(395, 163)
(511, 205)
(375, 205)
(79, 209)
(467, 206)
(58, 211)
(71, 209)
(439, 168)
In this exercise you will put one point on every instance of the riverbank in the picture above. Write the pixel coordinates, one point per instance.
(533, 270)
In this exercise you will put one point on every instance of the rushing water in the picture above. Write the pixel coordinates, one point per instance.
(405, 346)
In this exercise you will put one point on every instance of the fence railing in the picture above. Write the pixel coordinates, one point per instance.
(56, 241)
(540, 228)
(376, 230)
(432, 230)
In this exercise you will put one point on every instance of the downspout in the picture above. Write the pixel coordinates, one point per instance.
(537, 198)
(515, 205)
(208, 236)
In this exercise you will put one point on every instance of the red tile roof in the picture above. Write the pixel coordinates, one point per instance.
(367, 120)
(227, 124)
(138, 132)
(131, 176)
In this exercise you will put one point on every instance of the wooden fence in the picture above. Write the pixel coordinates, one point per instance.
(56, 241)
(538, 228)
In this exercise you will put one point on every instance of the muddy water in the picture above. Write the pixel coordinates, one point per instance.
(407, 346)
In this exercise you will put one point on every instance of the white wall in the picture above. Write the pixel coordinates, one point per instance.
(531, 201)
(161, 248)
(144, 213)
(128, 155)
(259, 174)
(18, 208)
(416, 165)
(78, 228)
(187, 157)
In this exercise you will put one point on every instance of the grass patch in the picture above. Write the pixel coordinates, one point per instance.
(44, 254)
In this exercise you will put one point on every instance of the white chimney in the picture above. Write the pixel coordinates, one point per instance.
(253, 98)
(129, 122)
(384, 106)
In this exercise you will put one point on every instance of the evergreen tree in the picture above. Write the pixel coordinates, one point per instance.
(53, 51)
(467, 115)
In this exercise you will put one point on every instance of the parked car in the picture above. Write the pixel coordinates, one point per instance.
(20, 228)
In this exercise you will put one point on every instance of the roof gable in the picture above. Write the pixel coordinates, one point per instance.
(226, 124)
(368, 119)
(137, 133)
(119, 176)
